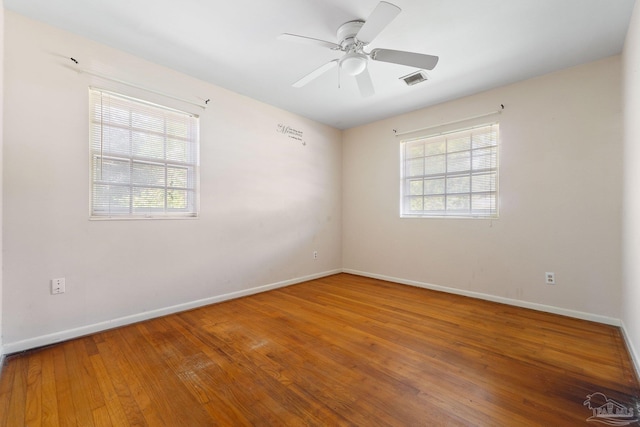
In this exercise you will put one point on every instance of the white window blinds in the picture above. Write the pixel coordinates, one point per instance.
(144, 159)
(453, 174)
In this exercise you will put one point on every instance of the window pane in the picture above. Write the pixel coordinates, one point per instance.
(484, 139)
(112, 140)
(148, 199)
(111, 199)
(177, 177)
(178, 128)
(434, 203)
(483, 183)
(110, 170)
(457, 162)
(458, 144)
(435, 164)
(415, 167)
(485, 158)
(415, 187)
(415, 150)
(435, 147)
(460, 184)
(179, 151)
(177, 199)
(147, 145)
(458, 203)
(434, 186)
(147, 121)
(147, 174)
(483, 202)
(415, 203)
(112, 114)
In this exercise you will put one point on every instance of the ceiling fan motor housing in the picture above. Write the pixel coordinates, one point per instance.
(347, 33)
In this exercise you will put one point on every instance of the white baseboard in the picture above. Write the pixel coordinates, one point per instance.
(31, 343)
(518, 303)
(2, 357)
(55, 337)
(631, 349)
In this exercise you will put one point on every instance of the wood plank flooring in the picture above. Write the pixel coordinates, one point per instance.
(342, 350)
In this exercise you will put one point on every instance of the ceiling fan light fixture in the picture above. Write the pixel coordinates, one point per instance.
(353, 63)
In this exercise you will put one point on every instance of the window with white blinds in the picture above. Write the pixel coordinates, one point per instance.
(144, 159)
(451, 175)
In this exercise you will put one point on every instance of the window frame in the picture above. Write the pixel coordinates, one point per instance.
(161, 167)
(446, 176)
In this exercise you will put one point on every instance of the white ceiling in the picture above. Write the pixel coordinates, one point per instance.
(482, 44)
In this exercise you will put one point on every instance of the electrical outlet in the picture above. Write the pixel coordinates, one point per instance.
(550, 278)
(315, 254)
(57, 286)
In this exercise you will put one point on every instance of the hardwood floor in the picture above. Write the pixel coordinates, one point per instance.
(342, 350)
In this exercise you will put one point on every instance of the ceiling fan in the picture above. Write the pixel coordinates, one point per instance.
(353, 37)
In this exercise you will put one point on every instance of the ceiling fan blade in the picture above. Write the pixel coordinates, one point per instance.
(316, 73)
(308, 40)
(418, 60)
(365, 84)
(381, 16)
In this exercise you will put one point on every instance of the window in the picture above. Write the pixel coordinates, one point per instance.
(451, 175)
(144, 159)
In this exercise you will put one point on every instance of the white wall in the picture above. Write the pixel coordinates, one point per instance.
(267, 201)
(1, 168)
(560, 197)
(631, 219)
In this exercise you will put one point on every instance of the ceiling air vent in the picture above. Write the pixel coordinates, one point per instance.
(414, 78)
